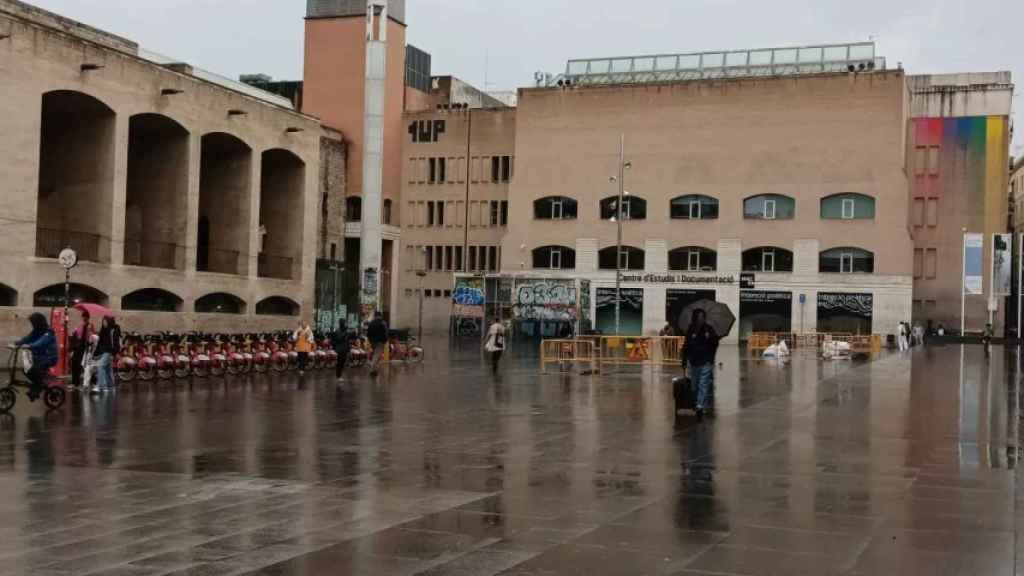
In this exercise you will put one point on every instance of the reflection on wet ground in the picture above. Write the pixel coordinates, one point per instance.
(901, 466)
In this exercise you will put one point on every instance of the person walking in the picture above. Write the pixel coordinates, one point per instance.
(699, 351)
(901, 334)
(42, 343)
(303, 344)
(495, 344)
(80, 342)
(341, 344)
(377, 334)
(107, 346)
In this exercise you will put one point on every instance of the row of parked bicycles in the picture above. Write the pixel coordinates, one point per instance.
(168, 356)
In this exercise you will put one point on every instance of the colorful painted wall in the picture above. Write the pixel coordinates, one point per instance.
(958, 181)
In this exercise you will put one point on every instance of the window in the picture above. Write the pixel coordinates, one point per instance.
(918, 263)
(629, 259)
(506, 168)
(386, 213)
(931, 263)
(492, 258)
(459, 262)
(432, 162)
(495, 168)
(428, 258)
(693, 259)
(413, 168)
(633, 208)
(848, 207)
(472, 259)
(442, 170)
(495, 213)
(441, 208)
(920, 160)
(447, 293)
(769, 207)
(555, 208)
(918, 214)
(767, 259)
(694, 207)
(353, 209)
(933, 160)
(554, 258)
(504, 212)
(449, 259)
(932, 212)
(846, 261)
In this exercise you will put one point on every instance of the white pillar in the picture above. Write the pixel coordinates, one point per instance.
(373, 151)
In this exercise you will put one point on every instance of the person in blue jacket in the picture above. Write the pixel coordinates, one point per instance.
(43, 345)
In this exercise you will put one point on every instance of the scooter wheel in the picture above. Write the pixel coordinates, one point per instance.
(181, 373)
(7, 400)
(54, 397)
(146, 375)
(164, 374)
(126, 375)
(200, 372)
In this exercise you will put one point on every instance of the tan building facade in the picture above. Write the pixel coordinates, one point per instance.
(1017, 194)
(458, 165)
(799, 181)
(192, 204)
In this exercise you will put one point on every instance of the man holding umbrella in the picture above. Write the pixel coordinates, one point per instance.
(701, 347)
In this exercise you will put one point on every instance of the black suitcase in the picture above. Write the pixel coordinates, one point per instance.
(685, 393)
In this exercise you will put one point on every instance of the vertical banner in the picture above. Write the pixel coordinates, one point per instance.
(1002, 264)
(974, 245)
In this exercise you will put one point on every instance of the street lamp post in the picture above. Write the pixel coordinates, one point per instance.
(421, 274)
(623, 166)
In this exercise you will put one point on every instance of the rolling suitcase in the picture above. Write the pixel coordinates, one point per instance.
(685, 393)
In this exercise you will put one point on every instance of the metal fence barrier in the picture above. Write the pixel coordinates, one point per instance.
(567, 354)
(866, 344)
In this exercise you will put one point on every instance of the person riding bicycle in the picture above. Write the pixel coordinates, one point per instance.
(43, 345)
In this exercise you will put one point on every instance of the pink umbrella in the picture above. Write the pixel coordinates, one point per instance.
(94, 310)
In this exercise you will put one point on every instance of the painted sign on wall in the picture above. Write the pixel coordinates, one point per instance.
(544, 299)
(468, 298)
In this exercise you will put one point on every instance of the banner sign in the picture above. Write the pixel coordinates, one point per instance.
(468, 297)
(1002, 264)
(974, 245)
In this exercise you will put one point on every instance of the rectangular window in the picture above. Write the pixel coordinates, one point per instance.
(442, 170)
(472, 259)
(931, 263)
(432, 162)
(918, 214)
(693, 261)
(933, 160)
(846, 263)
(768, 261)
(459, 262)
(428, 258)
(474, 214)
(448, 294)
(450, 168)
(556, 209)
(495, 212)
(449, 259)
(413, 167)
(695, 210)
(932, 212)
(460, 174)
(556, 259)
(474, 164)
(441, 208)
(920, 160)
(918, 263)
(495, 169)
(430, 214)
(848, 209)
(506, 168)
(421, 174)
(504, 212)
(769, 209)
(492, 258)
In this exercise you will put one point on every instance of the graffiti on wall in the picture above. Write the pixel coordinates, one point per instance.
(852, 304)
(546, 300)
(468, 298)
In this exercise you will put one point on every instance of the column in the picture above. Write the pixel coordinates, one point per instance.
(656, 258)
(586, 255)
(119, 196)
(730, 263)
(192, 204)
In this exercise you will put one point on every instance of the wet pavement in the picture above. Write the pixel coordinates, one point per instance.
(905, 465)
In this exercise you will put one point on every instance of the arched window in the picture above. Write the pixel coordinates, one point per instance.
(630, 259)
(555, 208)
(633, 208)
(554, 258)
(769, 207)
(846, 261)
(151, 300)
(8, 296)
(53, 296)
(848, 206)
(693, 259)
(767, 259)
(386, 212)
(694, 207)
(277, 306)
(353, 209)
(220, 303)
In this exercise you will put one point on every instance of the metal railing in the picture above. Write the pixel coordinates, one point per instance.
(218, 261)
(150, 254)
(567, 353)
(50, 242)
(762, 62)
(279, 267)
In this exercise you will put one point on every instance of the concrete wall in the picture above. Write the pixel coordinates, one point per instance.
(333, 160)
(37, 60)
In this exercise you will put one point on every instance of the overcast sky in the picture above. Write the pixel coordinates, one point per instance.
(507, 41)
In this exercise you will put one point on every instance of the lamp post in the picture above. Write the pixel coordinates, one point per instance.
(421, 274)
(68, 259)
(623, 166)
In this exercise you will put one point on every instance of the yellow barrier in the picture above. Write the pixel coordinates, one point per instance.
(641, 350)
(759, 341)
(567, 353)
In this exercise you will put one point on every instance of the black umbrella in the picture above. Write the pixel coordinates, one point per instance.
(717, 314)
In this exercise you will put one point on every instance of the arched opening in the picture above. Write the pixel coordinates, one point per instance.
(224, 181)
(848, 206)
(220, 303)
(353, 209)
(8, 296)
(76, 176)
(555, 208)
(53, 296)
(554, 258)
(846, 261)
(694, 207)
(633, 208)
(157, 192)
(629, 259)
(151, 300)
(693, 259)
(769, 207)
(282, 190)
(767, 259)
(277, 306)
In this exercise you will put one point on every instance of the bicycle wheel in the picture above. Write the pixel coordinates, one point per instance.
(414, 355)
(54, 397)
(7, 400)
